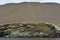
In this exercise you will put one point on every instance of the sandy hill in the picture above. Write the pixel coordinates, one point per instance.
(30, 11)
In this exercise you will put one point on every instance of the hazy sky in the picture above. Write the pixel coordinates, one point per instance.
(16, 1)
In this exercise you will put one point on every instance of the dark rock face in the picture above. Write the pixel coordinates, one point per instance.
(27, 30)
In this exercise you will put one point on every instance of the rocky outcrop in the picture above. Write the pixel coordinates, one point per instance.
(27, 30)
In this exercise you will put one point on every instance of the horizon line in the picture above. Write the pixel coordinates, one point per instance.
(32, 2)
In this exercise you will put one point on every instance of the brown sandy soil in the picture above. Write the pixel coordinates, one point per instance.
(30, 12)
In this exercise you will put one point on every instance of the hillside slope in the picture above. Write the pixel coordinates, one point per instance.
(30, 11)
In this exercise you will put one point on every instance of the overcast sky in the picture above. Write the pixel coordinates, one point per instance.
(16, 1)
